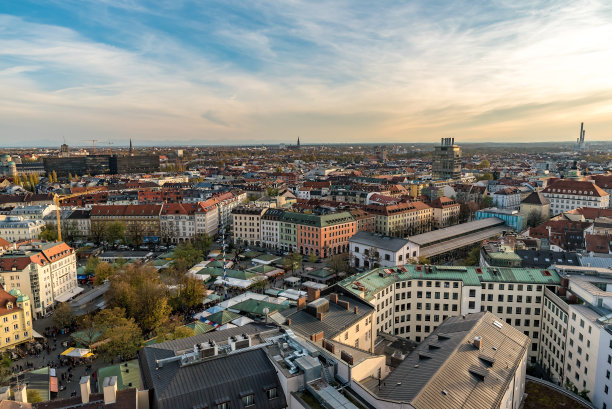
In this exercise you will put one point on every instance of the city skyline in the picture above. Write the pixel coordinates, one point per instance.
(341, 72)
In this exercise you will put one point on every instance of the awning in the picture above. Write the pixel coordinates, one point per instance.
(77, 353)
(69, 294)
(36, 334)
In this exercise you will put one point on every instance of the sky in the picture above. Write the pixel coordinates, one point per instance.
(248, 72)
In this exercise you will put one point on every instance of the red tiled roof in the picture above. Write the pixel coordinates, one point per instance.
(575, 187)
(598, 243)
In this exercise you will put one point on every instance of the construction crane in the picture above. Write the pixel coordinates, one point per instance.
(110, 152)
(58, 198)
(93, 145)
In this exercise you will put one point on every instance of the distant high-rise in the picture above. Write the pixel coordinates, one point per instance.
(580, 145)
(446, 160)
(64, 151)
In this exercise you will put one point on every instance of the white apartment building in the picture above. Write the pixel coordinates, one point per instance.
(207, 218)
(508, 198)
(369, 249)
(16, 228)
(34, 212)
(270, 228)
(566, 194)
(45, 272)
(412, 300)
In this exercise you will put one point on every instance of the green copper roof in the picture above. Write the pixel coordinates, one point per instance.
(317, 220)
(126, 372)
(222, 317)
(256, 307)
(20, 296)
(369, 283)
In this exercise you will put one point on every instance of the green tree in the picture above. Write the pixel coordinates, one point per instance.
(137, 289)
(5, 368)
(473, 258)
(337, 263)
(102, 272)
(33, 396)
(312, 258)
(114, 232)
(178, 333)
(486, 176)
(63, 316)
(293, 261)
(48, 233)
(202, 242)
(423, 260)
(92, 263)
(122, 337)
(485, 164)
(486, 202)
(585, 394)
(190, 295)
(186, 256)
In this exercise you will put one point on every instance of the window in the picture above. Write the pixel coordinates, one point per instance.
(271, 393)
(248, 400)
(223, 405)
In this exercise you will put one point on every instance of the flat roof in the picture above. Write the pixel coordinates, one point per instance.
(369, 283)
(449, 233)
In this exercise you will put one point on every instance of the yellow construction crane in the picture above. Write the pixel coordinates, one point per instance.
(58, 198)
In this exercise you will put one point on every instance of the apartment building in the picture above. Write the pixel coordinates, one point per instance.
(270, 228)
(142, 222)
(396, 220)
(566, 194)
(45, 272)
(34, 212)
(177, 221)
(445, 212)
(16, 228)
(15, 319)
(370, 250)
(412, 300)
(322, 235)
(507, 198)
(246, 225)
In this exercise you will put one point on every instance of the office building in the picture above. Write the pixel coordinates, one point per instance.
(446, 160)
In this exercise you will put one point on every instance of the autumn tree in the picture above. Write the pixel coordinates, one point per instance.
(102, 272)
(337, 263)
(114, 232)
(48, 233)
(63, 316)
(190, 294)
(122, 336)
(138, 290)
(185, 256)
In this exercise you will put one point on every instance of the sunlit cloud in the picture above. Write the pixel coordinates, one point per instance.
(263, 72)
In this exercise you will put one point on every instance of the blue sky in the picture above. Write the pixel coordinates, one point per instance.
(219, 72)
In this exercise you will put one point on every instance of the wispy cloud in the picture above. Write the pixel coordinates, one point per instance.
(330, 71)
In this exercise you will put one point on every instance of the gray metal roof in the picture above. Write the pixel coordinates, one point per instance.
(447, 371)
(206, 383)
(462, 241)
(450, 232)
(376, 240)
(335, 321)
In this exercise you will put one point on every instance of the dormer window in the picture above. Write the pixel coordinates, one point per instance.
(9, 305)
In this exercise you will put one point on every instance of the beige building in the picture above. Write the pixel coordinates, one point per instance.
(535, 203)
(16, 319)
(45, 272)
(445, 212)
(246, 225)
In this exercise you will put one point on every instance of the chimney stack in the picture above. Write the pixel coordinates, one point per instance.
(356, 310)
(478, 342)
(301, 303)
(110, 389)
(85, 389)
(21, 393)
(333, 297)
(313, 294)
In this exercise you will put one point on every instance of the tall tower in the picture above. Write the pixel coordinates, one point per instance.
(298, 143)
(446, 160)
(131, 148)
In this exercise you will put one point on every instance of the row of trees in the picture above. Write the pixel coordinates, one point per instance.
(140, 306)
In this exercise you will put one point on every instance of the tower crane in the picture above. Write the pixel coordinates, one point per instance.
(58, 198)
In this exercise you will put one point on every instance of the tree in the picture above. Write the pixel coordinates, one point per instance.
(423, 260)
(90, 266)
(97, 232)
(136, 234)
(372, 255)
(473, 258)
(33, 396)
(178, 333)
(48, 233)
(312, 258)
(137, 289)
(5, 368)
(63, 316)
(486, 176)
(293, 261)
(89, 332)
(190, 295)
(186, 256)
(114, 232)
(534, 218)
(486, 202)
(337, 263)
(54, 176)
(102, 272)
(70, 230)
(484, 164)
(202, 242)
(122, 337)
(585, 394)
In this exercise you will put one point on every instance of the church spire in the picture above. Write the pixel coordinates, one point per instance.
(298, 143)
(131, 148)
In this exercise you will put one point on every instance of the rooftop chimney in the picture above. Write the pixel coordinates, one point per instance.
(478, 342)
(301, 303)
(85, 389)
(110, 389)
(21, 393)
(313, 294)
